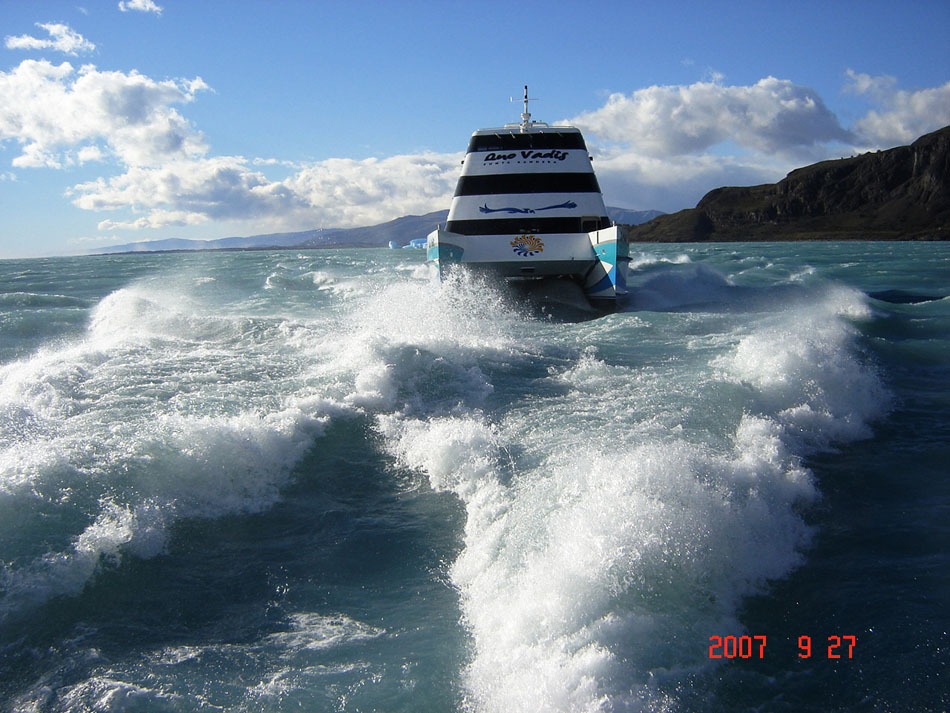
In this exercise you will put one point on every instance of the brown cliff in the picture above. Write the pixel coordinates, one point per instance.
(899, 194)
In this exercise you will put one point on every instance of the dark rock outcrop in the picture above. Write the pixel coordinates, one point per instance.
(899, 194)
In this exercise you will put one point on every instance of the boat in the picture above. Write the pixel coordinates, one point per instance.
(527, 206)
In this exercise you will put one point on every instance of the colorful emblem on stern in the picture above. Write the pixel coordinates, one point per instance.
(527, 245)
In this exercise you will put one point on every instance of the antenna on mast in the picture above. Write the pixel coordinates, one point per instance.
(525, 115)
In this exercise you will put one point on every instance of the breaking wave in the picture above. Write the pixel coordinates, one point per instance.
(626, 481)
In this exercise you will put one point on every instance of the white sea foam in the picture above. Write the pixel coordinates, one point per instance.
(310, 631)
(808, 372)
(613, 540)
(410, 348)
(618, 506)
(155, 415)
(108, 694)
(604, 567)
(638, 262)
(285, 664)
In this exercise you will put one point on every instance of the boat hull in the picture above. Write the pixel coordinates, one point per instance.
(597, 260)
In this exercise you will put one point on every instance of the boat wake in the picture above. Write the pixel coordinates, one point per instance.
(626, 481)
(611, 526)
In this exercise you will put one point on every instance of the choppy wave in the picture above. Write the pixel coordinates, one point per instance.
(626, 482)
(593, 563)
(177, 674)
(157, 414)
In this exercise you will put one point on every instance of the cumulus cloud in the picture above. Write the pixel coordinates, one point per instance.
(335, 192)
(672, 183)
(664, 147)
(904, 115)
(61, 116)
(61, 38)
(659, 147)
(156, 218)
(349, 192)
(140, 6)
(774, 116)
(203, 188)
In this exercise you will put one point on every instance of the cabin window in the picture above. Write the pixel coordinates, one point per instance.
(513, 141)
(500, 183)
(509, 226)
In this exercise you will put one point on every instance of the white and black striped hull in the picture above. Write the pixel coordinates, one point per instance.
(528, 205)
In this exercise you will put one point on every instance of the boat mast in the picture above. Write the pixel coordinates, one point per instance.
(526, 115)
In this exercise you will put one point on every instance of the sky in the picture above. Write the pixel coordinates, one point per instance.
(150, 119)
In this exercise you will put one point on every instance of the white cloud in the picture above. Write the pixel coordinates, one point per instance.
(904, 116)
(62, 117)
(221, 188)
(658, 157)
(190, 188)
(879, 87)
(61, 38)
(89, 153)
(671, 183)
(335, 192)
(156, 219)
(773, 116)
(140, 6)
(277, 162)
(665, 147)
(660, 147)
(346, 192)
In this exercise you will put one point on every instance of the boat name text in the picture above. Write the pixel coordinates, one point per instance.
(527, 155)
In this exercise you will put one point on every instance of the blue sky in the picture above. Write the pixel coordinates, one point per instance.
(148, 119)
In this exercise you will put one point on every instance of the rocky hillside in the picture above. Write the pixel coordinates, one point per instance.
(898, 194)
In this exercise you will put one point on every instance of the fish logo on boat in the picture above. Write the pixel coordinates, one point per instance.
(566, 205)
(527, 245)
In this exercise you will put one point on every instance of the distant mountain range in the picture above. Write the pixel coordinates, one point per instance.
(899, 194)
(401, 230)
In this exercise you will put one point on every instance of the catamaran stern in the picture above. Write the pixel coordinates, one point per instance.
(596, 260)
(607, 278)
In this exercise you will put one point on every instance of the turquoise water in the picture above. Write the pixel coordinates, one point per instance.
(315, 481)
